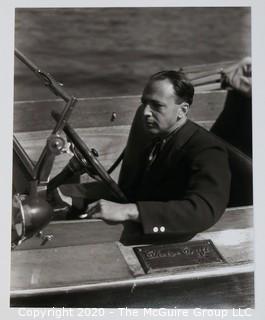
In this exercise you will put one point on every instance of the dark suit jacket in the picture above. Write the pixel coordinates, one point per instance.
(187, 187)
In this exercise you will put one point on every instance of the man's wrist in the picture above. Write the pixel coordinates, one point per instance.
(132, 212)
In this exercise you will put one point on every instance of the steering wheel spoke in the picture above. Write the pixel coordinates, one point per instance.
(88, 160)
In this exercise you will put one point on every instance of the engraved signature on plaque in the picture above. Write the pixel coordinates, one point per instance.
(161, 257)
(162, 253)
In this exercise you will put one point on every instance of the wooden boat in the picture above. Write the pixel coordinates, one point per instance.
(86, 265)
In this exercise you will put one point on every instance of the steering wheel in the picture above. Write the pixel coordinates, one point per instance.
(88, 160)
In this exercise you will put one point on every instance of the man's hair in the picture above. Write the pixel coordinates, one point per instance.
(182, 86)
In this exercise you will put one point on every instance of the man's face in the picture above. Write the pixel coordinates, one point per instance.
(161, 108)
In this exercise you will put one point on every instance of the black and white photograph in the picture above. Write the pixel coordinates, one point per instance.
(132, 174)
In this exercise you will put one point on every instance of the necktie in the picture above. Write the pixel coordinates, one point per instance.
(157, 148)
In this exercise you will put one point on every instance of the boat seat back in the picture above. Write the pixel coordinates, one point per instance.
(241, 190)
(234, 126)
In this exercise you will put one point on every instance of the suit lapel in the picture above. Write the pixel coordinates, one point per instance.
(173, 147)
(183, 135)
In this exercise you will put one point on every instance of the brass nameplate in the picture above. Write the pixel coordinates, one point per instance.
(162, 257)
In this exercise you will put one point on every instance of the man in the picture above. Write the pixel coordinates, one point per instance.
(175, 174)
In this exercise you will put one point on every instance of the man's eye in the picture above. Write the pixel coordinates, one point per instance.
(153, 105)
(156, 106)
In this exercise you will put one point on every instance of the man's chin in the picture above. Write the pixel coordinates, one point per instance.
(151, 130)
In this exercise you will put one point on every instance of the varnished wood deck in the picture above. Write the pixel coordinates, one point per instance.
(86, 258)
(96, 112)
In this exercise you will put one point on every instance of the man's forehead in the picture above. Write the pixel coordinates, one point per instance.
(159, 87)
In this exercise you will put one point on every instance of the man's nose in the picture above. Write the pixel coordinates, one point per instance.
(147, 110)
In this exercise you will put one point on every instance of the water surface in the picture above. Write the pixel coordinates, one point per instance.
(112, 51)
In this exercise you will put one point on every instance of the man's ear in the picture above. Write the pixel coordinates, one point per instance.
(183, 110)
(185, 107)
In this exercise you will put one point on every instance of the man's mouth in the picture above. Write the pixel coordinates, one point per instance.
(149, 124)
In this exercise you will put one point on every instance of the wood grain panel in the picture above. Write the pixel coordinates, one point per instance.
(234, 218)
(72, 233)
(90, 270)
(75, 233)
(64, 266)
(96, 112)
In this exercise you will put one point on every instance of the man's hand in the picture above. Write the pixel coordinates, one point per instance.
(240, 78)
(112, 211)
